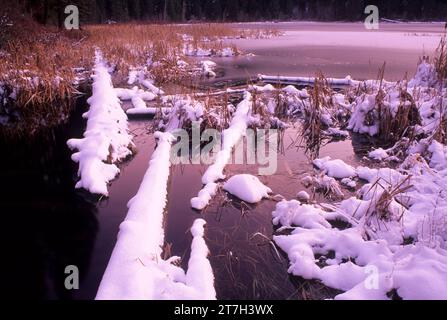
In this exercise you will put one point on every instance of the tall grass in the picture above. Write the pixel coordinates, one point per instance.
(441, 69)
(311, 131)
(440, 60)
(38, 79)
(39, 73)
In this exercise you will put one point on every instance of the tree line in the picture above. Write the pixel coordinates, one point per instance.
(101, 11)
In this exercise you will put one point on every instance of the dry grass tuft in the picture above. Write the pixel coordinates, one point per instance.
(311, 131)
(379, 210)
(440, 60)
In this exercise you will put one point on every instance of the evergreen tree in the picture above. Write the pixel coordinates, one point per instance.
(99, 11)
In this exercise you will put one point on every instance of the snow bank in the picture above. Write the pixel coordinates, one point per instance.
(106, 138)
(416, 104)
(364, 269)
(292, 213)
(371, 106)
(373, 257)
(247, 188)
(438, 158)
(136, 269)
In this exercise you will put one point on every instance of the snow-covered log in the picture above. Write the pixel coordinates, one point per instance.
(106, 138)
(136, 269)
(231, 137)
(147, 111)
(348, 81)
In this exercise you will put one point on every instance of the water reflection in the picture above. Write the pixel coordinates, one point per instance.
(245, 263)
(47, 225)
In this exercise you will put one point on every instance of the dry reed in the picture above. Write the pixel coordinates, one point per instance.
(41, 69)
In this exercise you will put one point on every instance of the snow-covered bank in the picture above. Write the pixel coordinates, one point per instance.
(402, 113)
(106, 138)
(396, 241)
(393, 242)
(136, 269)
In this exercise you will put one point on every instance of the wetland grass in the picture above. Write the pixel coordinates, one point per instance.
(42, 68)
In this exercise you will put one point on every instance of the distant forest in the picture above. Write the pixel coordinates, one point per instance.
(100, 11)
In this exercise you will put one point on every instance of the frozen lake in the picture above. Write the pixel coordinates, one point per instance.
(336, 49)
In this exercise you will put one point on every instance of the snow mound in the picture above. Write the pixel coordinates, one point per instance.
(303, 196)
(208, 68)
(378, 154)
(363, 106)
(325, 184)
(439, 155)
(425, 75)
(335, 168)
(348, 183)
(247, 188)
(293, 213)
(415, 272)
(337, 133)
